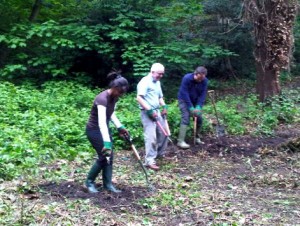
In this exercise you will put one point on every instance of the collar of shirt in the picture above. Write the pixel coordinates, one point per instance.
(152, 79)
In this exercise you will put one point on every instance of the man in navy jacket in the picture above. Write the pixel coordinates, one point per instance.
(191, 98)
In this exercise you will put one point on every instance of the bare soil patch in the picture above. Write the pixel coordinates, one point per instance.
(244, 180)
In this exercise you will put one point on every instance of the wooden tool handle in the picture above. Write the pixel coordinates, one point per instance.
(135, 152)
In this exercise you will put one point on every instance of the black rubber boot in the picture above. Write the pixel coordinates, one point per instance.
(90, 180)
(107, 177)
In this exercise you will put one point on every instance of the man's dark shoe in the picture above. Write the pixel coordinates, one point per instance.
(164, 157)
(153, 167)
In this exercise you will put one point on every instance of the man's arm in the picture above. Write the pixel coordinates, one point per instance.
(162, 101)
(184, 89)
(140, 99)
(202, 97)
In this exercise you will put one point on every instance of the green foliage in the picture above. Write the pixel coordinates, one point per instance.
(222, 26)
(131, 34)
(216, 51)
(14, 11)
(243, 115)
(40, 125)
(50, 47)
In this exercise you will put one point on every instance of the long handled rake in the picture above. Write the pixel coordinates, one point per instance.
(129, 139)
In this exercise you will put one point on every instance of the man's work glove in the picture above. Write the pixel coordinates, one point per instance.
(123, 132)
(152, 114)
(197, 111)
(164, 111)
(107, 149)
(191, 109)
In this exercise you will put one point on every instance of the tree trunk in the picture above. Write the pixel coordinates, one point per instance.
(267, 82)
(35, 10)
(273, 22)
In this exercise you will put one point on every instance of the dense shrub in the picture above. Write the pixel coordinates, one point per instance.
(40, 125)
(37, 125)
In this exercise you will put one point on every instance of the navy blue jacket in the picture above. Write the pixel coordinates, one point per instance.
(192, 92)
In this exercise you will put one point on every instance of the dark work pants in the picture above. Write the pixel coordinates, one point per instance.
(95, 138)
(185, 114)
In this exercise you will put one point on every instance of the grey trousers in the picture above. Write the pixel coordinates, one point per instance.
(155, 140)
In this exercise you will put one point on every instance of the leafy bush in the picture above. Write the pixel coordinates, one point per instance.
(245, 115)
(40, 125)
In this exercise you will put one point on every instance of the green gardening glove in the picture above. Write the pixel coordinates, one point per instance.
(164, 111)
(191, 109)
(107, 149)
(152, 114)
(197, 111)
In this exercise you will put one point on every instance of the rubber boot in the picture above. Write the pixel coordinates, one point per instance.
(90, 180)
(198, 140)
(107, 177)
(181, 137)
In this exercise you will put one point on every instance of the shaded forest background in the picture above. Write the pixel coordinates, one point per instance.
(83, 40)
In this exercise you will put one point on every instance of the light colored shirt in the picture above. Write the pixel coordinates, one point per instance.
(150, 90)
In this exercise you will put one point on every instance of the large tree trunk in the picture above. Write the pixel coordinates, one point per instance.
(267, 82)
(273, 22)
(267, 77)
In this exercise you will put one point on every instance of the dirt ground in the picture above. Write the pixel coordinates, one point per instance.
(244, 180)
(230, 180)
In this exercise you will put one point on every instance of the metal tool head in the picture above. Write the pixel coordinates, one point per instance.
(151, 188)
(220, 129)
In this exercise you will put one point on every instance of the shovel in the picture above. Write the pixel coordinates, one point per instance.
(129, 139)
(195, 129)
(220, 129)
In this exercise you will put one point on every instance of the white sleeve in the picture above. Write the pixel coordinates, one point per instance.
(115, 120)
(102, 123)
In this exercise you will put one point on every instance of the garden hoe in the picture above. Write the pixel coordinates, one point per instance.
(220, 129)
(129, 139)
(166, 131)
